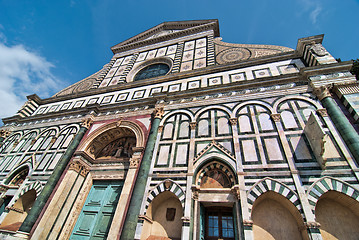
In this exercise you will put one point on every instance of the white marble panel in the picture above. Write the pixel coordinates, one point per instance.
(161, 52)
(288, 120)
(187, 56)
(223, 126)
(203, 128)
(202, 42)
(189, 45)
(163, 155)
(200, 53)
(181, 155)
(300, 148)
(273, 149)
(151, 54)
(199, 63)
(168, 131)
(186, 66)
(184, 130)
(171, 49)
(249, 150)
(118, 62)
(244, 124)
(265, 122)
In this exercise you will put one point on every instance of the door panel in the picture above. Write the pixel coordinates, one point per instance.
(96, 216)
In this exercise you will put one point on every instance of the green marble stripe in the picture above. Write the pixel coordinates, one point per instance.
(51, 183)
(345, 129)
(129, 228)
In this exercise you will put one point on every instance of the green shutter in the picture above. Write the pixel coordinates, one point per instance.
(96, 216)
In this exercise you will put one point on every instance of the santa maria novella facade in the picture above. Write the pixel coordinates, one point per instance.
(184, 136)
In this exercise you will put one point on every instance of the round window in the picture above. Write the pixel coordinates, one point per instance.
(154, 70)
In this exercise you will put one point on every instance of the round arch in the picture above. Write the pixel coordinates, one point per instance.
(189, 114)
(129, 125)
(241, 105)
(222, 108)
(295, 97)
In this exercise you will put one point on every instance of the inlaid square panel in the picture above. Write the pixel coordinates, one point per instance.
(200, 53)
(122, 97)
(156, 90)
(138, 94)
(214, 81)
(151, 54)
(171, 49)
(238, 77)
(174, 88)
(92, 101)
(194, 84)
(189, 45)
(79, 104)
(107, 99)
(65, 106)
(42, 110)
(199, 63)
(186, 66)
(53, 108)
(142, 56)
(118, 62)
(262, 73)
(202, 42)
(161, 52)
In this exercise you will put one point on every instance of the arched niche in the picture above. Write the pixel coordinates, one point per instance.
(215, 174)
(275, 217)
(19, 211)
(113, 141)
(18, 176)
(338, 216)
(164, 217)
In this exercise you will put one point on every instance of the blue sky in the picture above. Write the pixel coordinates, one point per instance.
(48, 45)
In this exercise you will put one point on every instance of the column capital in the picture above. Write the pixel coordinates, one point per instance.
(87, 122)
(193, 125)
(275, 117)
(233, 121)
(4, 133)
(159, 112)
(134, 162)
(322, 92)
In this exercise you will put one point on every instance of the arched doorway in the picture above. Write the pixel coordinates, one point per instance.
(275, 217)
(338, 215)
(164, 218)
(216, 204)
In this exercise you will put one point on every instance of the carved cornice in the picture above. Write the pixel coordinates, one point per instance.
(79, 167)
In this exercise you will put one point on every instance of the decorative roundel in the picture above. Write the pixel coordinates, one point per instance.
(233, 55)
(155, 67)
(154, 70)
(86, 85)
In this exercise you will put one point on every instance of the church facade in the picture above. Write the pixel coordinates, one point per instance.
(184, 136)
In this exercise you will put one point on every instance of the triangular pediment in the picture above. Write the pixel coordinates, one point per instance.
(214, 147)
(166, 31)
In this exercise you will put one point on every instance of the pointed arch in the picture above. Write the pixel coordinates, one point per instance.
(325, 184)
(17, 170)
(269, 184)
(166, 185)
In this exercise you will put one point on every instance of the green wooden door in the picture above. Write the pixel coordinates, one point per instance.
(96, 216)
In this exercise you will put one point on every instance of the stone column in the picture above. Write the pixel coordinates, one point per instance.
(133, 212)
(344, 127)
(53, 180)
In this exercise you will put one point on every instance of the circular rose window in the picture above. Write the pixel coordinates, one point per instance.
(154, 70)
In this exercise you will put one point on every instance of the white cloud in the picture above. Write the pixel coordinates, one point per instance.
(22, 73)
(314, 7)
